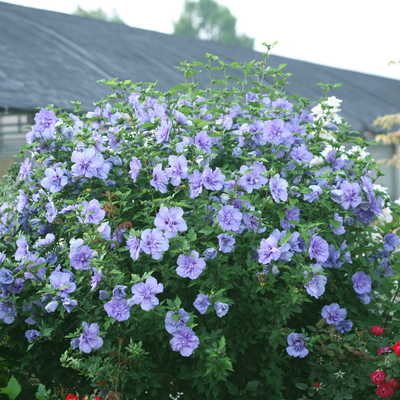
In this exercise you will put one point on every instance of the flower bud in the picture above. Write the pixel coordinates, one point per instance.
(210, 253)
(46, 297)
(275, 270)
(103, 295)
(51, 307)
(224, 199)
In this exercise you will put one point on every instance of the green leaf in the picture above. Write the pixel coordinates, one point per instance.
(47, 332)
(207, 230)
(13, 388)
(108, 322)
(178, 301)
(325, 336)
(41, 393)
(220, 82)
(251, 386)
(285, 238)
(301, 386)
(148, 125)
(5, 391)
(336, 224)
(192, 235)
(175, 317)
(232, 389)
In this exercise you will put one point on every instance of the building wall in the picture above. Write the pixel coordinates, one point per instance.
(12, 137)
(391, 178)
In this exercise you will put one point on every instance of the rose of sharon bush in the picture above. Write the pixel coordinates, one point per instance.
(235, 217)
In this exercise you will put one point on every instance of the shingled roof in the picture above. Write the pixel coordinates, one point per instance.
(49, 57)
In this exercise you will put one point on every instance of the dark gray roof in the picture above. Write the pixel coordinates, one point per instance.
(49, 57)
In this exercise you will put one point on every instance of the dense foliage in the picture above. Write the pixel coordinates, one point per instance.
(219, 243)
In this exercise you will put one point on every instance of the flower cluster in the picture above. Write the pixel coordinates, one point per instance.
(385, 389)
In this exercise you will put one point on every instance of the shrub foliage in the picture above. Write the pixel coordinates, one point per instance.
(204, 244)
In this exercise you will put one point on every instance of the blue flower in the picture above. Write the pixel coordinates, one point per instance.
(178, 169)
(89, 339)
(69, 304)
(201, 303)
(190, 266)
(119, 292)
(55, 180)
(229, 218)
(221, 308)
(351, 194)
(316, 287)
(118, 309)
(184, 341)
(103, 295)
(362, 282)
(6, 276)
(210, 253)
(278, 188)
(32, 335)
(171, 325)
(333, 314)
(318, 249)
(344, 326)
(52, 306)
(391, 241)
(297, 346)
(86, 163)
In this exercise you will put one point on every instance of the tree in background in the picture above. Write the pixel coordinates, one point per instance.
(208, 20)
(99, 14)
(389, 122)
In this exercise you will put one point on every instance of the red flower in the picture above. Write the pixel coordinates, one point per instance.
(394, 383)
(384, 391)
(384, 350)
(378, 377)
(376, 330)
(72, 397)
(396, 348)
(317, 385)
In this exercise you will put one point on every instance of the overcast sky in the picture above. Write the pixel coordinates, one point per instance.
(360, 35)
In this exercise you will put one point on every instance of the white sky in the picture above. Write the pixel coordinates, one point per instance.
(360, 35)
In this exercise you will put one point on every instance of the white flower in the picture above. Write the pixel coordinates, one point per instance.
(339, 374)
(397, 202)
(328, 114)
(316, 161)
(386, 215)
(333, 102)
(318, 112)
(325, 134)
(379, 188)
(335, 118)
(326, 150)
(358, 149)
(376, 237)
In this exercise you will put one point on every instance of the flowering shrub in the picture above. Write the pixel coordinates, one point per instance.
(213, 243)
